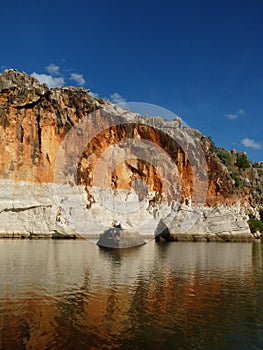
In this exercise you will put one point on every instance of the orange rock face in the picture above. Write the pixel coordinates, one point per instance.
(35, 122)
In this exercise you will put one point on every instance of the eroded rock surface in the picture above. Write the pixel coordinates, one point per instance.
(203, 224)
(70, 164)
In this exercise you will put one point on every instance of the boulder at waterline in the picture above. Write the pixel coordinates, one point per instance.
(116, 237)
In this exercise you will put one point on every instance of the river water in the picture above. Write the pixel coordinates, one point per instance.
(75, 295)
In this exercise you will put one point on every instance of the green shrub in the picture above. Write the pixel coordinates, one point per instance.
(242, 162)
(224, 156)
(255, 225)
(238, 181)
(212, 147)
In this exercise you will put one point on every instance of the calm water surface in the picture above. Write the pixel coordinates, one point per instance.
(75, 295)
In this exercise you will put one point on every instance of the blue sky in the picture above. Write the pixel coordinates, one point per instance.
(202, 60)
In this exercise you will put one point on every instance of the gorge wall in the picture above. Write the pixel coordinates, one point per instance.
(73, 165)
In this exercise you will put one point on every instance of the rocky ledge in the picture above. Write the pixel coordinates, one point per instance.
(203, 224)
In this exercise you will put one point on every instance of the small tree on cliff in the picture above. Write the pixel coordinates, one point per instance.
(242, 162)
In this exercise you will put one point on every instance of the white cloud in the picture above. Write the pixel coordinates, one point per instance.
(241, 111)
(77, 78)
(49, 80)
(94, 94)
(231, 116)
(53, 69)
(250, 143)
(117, 98)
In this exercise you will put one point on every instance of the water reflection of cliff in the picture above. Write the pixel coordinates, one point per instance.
(74, 295)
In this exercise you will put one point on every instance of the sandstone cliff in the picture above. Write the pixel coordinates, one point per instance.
(71, 164)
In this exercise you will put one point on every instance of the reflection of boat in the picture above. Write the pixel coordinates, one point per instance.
(117, 237)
